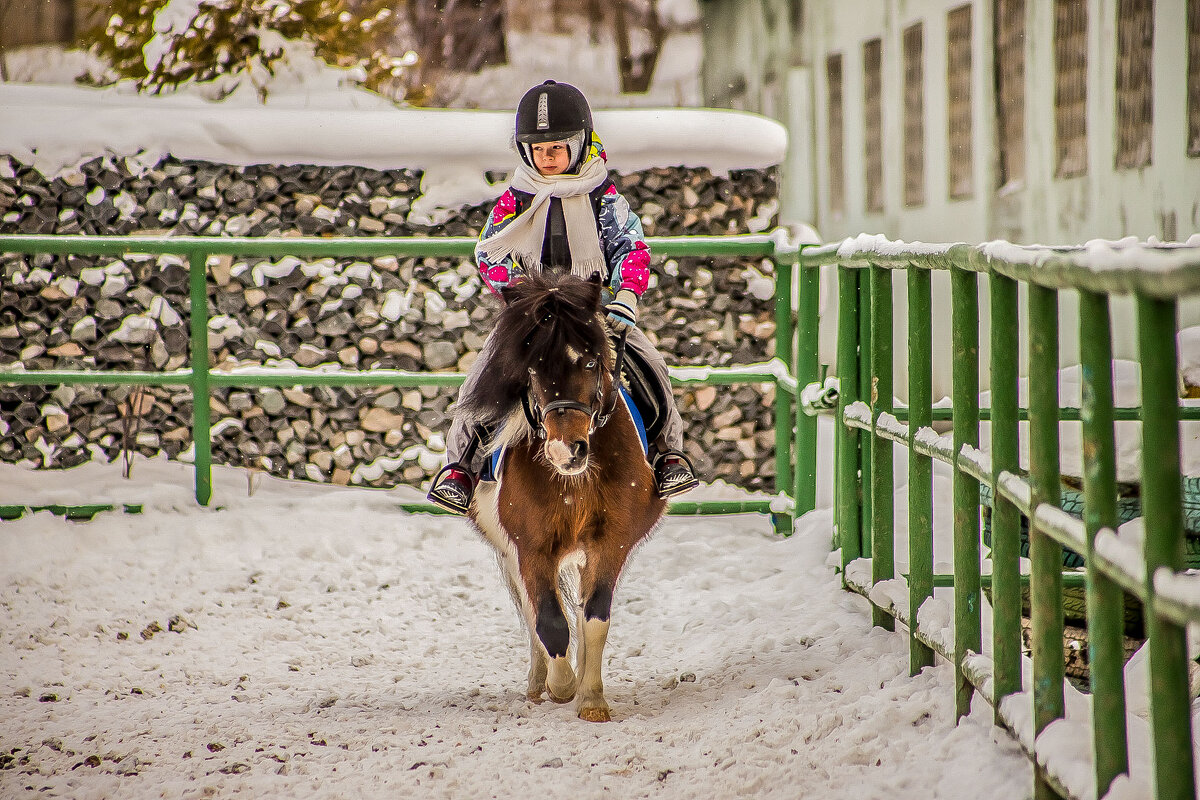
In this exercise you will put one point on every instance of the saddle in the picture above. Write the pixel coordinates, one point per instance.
(646, 393)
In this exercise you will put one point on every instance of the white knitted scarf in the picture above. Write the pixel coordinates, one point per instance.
(523, 237)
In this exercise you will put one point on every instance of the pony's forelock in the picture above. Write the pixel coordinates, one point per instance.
(545, 317)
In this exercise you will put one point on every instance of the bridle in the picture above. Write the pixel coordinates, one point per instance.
(598, 415)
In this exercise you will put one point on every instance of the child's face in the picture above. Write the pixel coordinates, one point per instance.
(551, 158)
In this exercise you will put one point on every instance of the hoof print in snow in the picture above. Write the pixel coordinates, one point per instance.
(237, 768)
(687, 677)
(151, 629)
(553, 763)
(179, 623)
(48, 697)
(215, 747)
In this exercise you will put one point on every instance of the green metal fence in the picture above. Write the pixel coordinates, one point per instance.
(869, 428)
(795, 439)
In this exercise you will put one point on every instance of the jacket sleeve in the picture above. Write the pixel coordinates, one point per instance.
(500, 274)
(624, 243)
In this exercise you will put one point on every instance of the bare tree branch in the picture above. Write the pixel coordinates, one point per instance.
(452, 39)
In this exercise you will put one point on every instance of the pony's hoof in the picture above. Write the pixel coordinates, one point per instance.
(560, 700)
(595, 715)
(535, 698)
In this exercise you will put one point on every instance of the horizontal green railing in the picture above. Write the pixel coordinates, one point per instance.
(795, 439)
(1157, 276)
(85, 511)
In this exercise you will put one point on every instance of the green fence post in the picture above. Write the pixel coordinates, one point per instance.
(849, 500)
(201, 409)
(807, 371)
(1105, 600)
(883, 549)
(964, 287)
(920, 467)
(1045, 554)
(865, 341)
(784, 401)
(1170, 709)
(1006, 519)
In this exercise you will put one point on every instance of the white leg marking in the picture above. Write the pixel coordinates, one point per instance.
(561, 681)
(592, 705)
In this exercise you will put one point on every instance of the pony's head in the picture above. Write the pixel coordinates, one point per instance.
(551, 343)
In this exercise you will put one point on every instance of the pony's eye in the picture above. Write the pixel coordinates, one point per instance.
(591, 364)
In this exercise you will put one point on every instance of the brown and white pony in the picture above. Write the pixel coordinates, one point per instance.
(574, 495)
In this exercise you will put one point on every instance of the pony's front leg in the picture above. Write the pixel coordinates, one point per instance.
(554, 634)
(593, 634)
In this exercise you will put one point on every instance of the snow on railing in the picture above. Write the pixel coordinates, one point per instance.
(1158, 274)
(1159, 269)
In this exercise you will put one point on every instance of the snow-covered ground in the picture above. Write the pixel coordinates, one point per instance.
(317, 642)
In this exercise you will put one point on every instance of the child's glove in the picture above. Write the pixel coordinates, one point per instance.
(622, 311)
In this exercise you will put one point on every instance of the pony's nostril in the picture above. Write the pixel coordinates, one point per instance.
(579, 449)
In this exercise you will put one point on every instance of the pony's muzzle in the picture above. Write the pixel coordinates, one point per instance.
(569, 458)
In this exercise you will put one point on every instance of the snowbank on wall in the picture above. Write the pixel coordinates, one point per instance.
(56, 127)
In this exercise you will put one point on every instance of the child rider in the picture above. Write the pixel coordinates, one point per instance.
(562, 212)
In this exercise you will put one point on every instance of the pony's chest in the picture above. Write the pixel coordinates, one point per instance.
(549, 508)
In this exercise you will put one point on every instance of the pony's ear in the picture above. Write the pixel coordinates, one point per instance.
(593, 289)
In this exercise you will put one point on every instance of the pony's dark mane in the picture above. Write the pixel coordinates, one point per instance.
(545, 316)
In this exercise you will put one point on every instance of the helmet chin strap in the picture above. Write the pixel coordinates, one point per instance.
(575, 146)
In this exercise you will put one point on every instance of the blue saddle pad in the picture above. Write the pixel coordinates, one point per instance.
(492, 467)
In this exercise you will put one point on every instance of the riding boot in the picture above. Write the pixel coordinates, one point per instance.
(454, 485)
(673, 473)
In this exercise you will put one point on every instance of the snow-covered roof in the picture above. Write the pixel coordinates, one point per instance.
(55, 127)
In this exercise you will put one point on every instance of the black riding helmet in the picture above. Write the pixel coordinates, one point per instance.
(554, 112)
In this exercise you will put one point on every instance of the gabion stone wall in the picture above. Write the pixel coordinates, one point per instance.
(130, 313)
